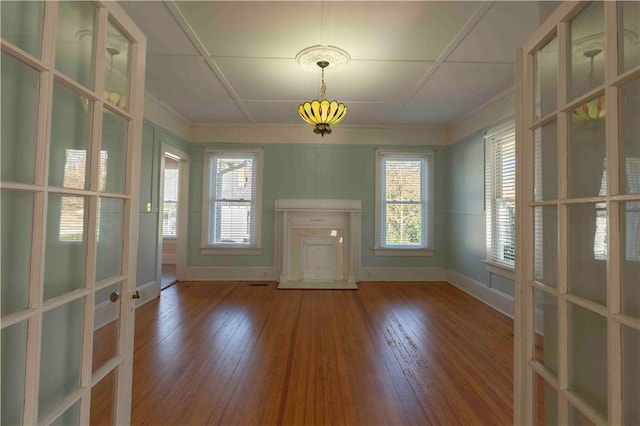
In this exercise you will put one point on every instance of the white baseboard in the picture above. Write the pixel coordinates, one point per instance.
(228, 273)
(499, 301)
(402, 274)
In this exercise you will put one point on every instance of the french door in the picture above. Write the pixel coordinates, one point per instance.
(72, 105)
(578, 270)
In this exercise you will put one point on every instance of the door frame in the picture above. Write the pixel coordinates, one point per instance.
(183, 211)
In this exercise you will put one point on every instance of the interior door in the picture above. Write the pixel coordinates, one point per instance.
(577, 338)
(72, 105)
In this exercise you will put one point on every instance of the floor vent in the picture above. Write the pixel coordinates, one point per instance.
(258, 284)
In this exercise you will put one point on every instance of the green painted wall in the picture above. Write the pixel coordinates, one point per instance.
(153, 137)
(316, 171)
(467, 227)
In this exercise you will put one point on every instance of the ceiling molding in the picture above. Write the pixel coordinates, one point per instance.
(164, 116)
(303, 134)
(206, 56)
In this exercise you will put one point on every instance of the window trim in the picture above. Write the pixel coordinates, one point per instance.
(427, 249)
(494, 265)
(229, 249)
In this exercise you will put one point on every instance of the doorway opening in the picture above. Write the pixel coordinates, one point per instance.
(172, 242)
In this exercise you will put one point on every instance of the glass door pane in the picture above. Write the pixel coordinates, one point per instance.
(103, 402)
(13, 370)
(70, 139)
(110, 238)
(106, 328)
(545, 80)
(61, 354)
(586, 50)
(628, 32)
(586, 166)
(75, 41)
(65, 259)
(20, 89)
(546, 162)
(629, 104)
(113, 153)
(22, 25)
(17, 226)
(117, 72)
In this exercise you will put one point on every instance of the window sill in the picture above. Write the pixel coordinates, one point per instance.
(386, 251)
(234, 251)
(500, 269)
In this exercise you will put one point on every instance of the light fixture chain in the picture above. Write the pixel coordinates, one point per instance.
(323, 88)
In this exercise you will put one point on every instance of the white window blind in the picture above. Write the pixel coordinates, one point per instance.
(402, 200)
(500, 195)
(232, 199)
(170, 202)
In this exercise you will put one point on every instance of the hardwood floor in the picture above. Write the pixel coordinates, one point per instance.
(389, 353)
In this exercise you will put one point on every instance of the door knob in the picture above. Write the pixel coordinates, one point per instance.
(115, 296)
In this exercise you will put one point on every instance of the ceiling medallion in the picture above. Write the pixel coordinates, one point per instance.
(337, 58)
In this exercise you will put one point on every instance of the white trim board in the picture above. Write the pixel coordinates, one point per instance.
(499, 301)
(231, 273)
(402, 274)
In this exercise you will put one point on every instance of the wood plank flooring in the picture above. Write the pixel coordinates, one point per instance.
(386, 354)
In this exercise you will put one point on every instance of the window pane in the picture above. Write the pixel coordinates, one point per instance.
(546, 333)
(546, 162)
(587, 50)
(588, 357)
(630, 257)
(628, 28)
(22, 26)
(20, 86)
(500, 197)
(587, 154)
(630, 376)
(110, 238)
(66, 245)
(13, 369)
(545, 80)
(170, 206)
(546, 245)
(232, 223)
(576, 418)
(70, 139)
(630, 138)
(402, 180)
(587, 226)
(113, 154)
(404, 224)
(61, 354)
(75, 41)
(117, 72)
(17, 225)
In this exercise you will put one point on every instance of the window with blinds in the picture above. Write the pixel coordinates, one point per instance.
(232, 199)
(170, 201)
(403, 200)
(500, 196)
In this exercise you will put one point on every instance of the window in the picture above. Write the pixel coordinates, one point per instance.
(232, 201)
(170, 202)
(500, 196)
(403, 203)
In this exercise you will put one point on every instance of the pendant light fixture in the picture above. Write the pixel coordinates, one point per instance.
(321, 113)
(594, 109)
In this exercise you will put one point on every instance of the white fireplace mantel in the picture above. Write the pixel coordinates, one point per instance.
(320, 213)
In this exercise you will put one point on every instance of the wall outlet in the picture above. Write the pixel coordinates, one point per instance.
(148, 207)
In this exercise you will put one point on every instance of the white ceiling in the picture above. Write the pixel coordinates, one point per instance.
(412, 63)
